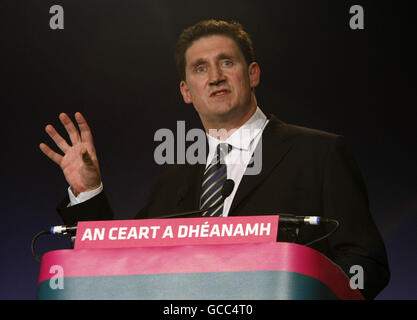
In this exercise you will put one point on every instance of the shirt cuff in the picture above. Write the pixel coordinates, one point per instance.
(83, 196)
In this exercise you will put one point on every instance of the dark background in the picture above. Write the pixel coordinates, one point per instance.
(114, 63)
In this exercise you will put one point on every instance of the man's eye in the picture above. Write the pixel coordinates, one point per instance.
(200, 69)
(227, 63)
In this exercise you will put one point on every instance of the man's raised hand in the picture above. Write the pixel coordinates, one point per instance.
(79, 162)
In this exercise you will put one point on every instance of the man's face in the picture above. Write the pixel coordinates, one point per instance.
(218, 80)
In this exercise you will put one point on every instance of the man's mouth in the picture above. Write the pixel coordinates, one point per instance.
(220, 93)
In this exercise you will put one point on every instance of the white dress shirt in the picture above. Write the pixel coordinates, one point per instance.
(243, 141)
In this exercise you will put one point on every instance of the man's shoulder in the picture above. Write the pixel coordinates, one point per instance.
(301, 134)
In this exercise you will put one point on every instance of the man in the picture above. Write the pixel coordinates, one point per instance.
(304, 171)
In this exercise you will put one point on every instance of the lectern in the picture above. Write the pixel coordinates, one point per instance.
(237, 271)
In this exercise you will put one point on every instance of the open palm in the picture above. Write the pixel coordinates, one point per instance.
(79, 162)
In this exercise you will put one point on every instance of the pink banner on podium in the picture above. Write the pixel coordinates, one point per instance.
(176, 232)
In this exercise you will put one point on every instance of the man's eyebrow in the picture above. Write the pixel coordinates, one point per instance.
(222, 56)
(201, 61)
(198, 62)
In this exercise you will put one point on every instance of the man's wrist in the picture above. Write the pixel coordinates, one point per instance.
(83, 196)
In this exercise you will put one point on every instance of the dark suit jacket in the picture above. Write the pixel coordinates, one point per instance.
(304, 172)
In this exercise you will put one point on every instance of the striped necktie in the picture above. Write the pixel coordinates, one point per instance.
(214, 177)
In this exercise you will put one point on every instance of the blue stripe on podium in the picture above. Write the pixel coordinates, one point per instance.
(246, 285)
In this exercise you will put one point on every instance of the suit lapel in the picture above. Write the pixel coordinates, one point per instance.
(274, 147)
(193, 178)
(199, 171)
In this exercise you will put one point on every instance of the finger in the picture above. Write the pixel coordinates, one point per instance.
(86, 135)
(59, 141)
(55, 157)
(70, 127)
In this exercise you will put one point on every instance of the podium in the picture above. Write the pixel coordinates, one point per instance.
(247, 271)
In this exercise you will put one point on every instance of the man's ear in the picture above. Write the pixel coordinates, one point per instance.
(185, 91)
(254, 74)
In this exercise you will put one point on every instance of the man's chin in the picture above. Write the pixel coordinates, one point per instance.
(222, 114)
(222, 109)
(219, 116)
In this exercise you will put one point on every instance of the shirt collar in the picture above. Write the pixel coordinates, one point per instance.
(244, 135)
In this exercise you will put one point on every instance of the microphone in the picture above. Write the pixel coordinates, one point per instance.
(227, 189)
(290, 219)
(63, 230)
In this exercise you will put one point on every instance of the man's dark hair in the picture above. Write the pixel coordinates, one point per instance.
(233, 30)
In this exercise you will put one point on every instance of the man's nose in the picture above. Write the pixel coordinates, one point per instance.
(216, 76)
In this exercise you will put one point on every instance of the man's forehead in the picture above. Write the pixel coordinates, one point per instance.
(211, 47)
